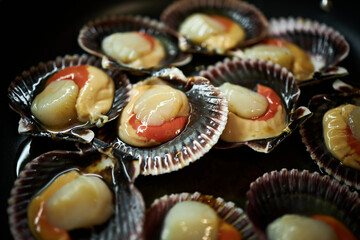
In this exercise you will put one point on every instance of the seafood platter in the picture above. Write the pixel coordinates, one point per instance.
(185, 119)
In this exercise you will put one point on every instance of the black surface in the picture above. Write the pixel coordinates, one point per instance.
(31, 32)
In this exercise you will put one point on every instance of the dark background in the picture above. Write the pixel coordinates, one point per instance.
(35, 31)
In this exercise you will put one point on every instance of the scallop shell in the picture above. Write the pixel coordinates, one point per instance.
(207, 121)
(129, 215)
(312, 136)
(92, 34)
(326, 46)
(280, 192)
(345, 87)
(248, 16)
(249, 73)
(24, 88)
(233, 215)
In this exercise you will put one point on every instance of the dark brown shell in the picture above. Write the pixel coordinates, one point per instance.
(24, 88)
(320, 41)
(248, 16)
(233, 215)
(92, 34)
(207, 121)
(249, 73)
(281, 192)
(312, 136)
(128, 219)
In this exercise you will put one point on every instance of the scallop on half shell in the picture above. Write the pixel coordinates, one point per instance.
(252, 21)
(250, 73)
(325, 46)
(205, 123)
(233, 215)
(23, 90)
(298, 192)
(92, 35)
(312, 133)
(95, 159)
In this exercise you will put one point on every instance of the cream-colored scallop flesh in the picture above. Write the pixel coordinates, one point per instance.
(276, 54)
(126, 46)
(334, 130)
(303, 67)
(244, 102)
(161, 103)
(198, 27)
(95, 97)
(354, 122)
(84, 202)
(335, 123)
(296, 227)
(55, 105)
(192, 221)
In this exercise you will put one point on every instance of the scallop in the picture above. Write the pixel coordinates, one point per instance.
(312, 134)
(93, 172)
(62, 110)
(203, 126)
(215, 27)
(286, 193)
(284, 53)
(136, 44)
(227, 211)
(251, 74)
(325, 46)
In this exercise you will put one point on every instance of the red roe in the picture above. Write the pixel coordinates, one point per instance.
(273, 100)
(79, 74)
(162, 133)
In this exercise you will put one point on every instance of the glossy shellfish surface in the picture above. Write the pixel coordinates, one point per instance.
(118, 173)
(233, 215)
(326, 46)
(299, 192)
(206, 122)
(92, 35)
(312, 137)
(246, 15)
(24, 88)
(249, 73)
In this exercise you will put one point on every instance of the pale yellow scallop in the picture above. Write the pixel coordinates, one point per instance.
(227, 40)
(296, 227)
(210, 33)
(244, 106)
(192, 221)
(95, 97)
(199, 27)
(153, 105)
(244, 102)
(133, 49)
(278, 55)
(239, 129)
(354, 122)
(303, 67)
(55, 105)
(335, 122)
(161, 103)
(84, 202)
